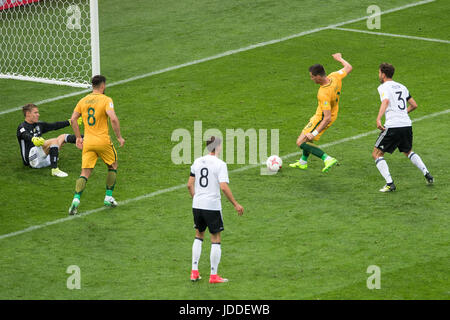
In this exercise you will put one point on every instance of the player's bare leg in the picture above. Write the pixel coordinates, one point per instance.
(417, 161)
(59, 141)
(216, 253)
(196, 252)
(86, 172)
(383, 168)
(302, 138)
(110, 184)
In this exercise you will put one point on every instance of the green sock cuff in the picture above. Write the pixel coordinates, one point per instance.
(311, 148)
(78, 195)
(109, 192)
(324, 156)
(304, 158)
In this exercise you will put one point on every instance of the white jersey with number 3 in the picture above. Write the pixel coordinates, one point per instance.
(209, 171)
(397, 111)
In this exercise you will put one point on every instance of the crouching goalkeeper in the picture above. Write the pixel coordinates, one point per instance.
(37, 152)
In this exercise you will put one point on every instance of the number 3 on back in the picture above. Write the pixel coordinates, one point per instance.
(399, 93)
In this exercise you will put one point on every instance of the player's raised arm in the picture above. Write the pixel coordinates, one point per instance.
(347, 66)
(115, 124)
(46, 126)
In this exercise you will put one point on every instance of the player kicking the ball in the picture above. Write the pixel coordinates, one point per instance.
(208, 176)
(396, 104)
(36, 151)
(326, 113)
(95, 109)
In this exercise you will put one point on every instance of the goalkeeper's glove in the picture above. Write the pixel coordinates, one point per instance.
(79, 121)
(38, 141)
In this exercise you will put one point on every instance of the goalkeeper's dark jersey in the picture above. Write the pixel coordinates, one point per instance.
(26, 131)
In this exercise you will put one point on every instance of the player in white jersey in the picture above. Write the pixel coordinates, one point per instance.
(209, 176)
(396, 104)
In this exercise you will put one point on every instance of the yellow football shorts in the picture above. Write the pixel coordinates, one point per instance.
(314, 123)
(90, 154)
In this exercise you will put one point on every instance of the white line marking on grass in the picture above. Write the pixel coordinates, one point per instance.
(174, 188)
(223, 54)
(392, 35)
(68, 95)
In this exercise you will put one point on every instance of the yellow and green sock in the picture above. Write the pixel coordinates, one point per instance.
(79, 186)
(110, 181)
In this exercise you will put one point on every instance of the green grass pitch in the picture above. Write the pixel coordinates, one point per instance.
(304, 234)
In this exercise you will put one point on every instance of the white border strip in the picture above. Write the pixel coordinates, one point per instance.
(224, 54)
(392, 35)
(45, 80)
(95, 39)
(174, 188)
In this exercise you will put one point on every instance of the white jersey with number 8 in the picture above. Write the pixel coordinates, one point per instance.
(209, 171)
(397, 111)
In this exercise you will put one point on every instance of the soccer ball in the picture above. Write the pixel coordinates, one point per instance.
(274, 163)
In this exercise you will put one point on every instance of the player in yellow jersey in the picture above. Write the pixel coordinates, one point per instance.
(326, 113)
(95, 109)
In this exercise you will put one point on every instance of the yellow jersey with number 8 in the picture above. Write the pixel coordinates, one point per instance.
(93, 109)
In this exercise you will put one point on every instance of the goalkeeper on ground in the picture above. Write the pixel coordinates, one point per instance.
(37, 152)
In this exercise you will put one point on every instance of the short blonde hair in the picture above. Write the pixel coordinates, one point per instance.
(27, 108)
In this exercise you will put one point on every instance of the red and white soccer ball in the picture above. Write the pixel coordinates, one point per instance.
(274, 163)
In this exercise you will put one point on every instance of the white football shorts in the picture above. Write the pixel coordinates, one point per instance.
(37, 158)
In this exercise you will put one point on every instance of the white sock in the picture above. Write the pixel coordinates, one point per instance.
(382, 166)
(216, 252)
(196, 252)
(415, 158)
(303, 161)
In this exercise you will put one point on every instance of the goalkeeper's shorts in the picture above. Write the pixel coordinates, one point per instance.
(37, 158)
(91, 153)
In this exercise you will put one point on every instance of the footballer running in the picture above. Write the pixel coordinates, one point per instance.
(396, 104)
(326, 113)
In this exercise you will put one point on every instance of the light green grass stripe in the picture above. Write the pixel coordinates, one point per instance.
(174, 188)
(223, 54)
